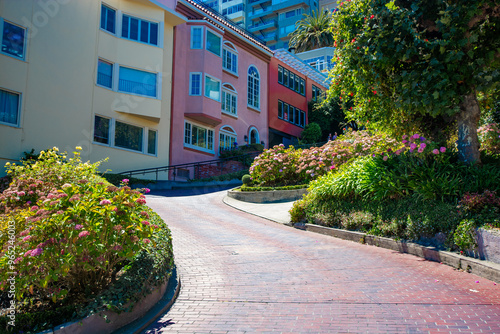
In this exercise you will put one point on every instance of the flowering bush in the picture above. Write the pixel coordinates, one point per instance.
(281, 166)
(74, 230)
(276, 166)
(489, 136)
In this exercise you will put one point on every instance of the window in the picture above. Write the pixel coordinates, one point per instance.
(291, 80)
(198, 137)
(316, 93)
(137, 82)
(195, 84)
(108, 19)
(13, 39)
(105, 73)
(253, 87)
(229, 100)
(291, 114)
(139, 30)
(213, 43)
(128, 136)
(196, 38)
(152, 142)
(227, 138)
(114, 133)
(101, 130)
(212, 88)
(9, 107)
(229, 59)
(232, 9)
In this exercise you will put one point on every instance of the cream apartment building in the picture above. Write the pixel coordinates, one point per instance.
(95, 74)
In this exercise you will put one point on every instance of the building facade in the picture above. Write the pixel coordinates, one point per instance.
(292, 84)
(220, 96)
(87, 73)
(321, 59)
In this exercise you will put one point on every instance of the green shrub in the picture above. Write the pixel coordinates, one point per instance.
(489, 136)
(249, 188)
(465, 235)
(311, 133)
(246, 179)
(298, 211)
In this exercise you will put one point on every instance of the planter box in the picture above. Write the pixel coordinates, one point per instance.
(274, 196)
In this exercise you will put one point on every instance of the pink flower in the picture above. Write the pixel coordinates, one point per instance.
(78, 227)
(24, 233)
(83, 234)
(405, 141)
(415, 136)
(34, 208)
(405, 136)
(442, 149)
(117, 227)
(140, 201)
(413, 146)
(146, 241)
(27, 253)
(146, 190)
(105, 202)
(21, 193)
(125, 180)
(25, 239)
(145, 222)
(117, 248)
(420, 150)
(423, 145)
(385, 158)
(435, 151)
(36, 252)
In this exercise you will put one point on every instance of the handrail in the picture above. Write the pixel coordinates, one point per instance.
(198, 164)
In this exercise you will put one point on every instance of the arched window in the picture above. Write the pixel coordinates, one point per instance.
(230, 57)
(229, 100)
(253, 134)
(227, 138)
(253, 87)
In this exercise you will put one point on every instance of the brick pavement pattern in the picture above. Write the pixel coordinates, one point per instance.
(244, 274)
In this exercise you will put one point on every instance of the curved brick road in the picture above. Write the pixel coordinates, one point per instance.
(244, 274)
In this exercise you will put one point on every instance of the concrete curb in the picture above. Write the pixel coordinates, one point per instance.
(486, 269)
(146, 311)
(264, 197)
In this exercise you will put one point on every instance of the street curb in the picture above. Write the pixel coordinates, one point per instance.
(486, 269)
(162, 306)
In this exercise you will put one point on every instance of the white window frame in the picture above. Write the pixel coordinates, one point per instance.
(229, 48)
(112, 135)
(199, 148)
(113, 74)
(25, 40)
(256, 107)
(159, 36)
(117, 15)
(201, 38)
(205, 86)
(191, 83)
(19, 103)
(206, 42)
(231, 134)
(228, 89)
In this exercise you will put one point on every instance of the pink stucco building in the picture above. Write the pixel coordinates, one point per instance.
(220, 90)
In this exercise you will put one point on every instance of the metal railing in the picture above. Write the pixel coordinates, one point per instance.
(196, 168)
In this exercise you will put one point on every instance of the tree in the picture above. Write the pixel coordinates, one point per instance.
(311, 133)
(312, 32)
(328, 115)
(413, 63)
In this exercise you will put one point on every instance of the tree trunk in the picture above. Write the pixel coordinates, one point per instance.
(468, 119)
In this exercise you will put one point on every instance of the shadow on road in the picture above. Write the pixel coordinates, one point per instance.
(181, 192)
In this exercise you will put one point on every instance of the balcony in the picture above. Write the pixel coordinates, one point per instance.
(269, 37)
(263, 25)
(260, 13)
(255, 3)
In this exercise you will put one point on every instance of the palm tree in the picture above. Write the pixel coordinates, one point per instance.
(312, 32)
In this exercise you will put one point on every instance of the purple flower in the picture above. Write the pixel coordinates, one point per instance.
(83, 234)
(105, 201)
(36, 252)
(281, 170)
(422, 138)
(147, 190)
(442, 149)
(78, 227)
(435, 151)
(420, 150)
(413, 146)
(125, 180)
(423, 145)
(415, 136)
(405, 136)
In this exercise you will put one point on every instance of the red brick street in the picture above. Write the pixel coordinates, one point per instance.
(244, 274)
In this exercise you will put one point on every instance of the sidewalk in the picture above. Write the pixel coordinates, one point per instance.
(277, 212)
